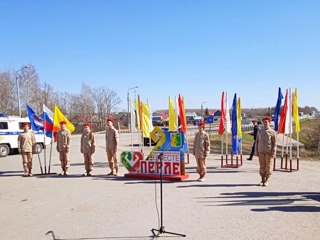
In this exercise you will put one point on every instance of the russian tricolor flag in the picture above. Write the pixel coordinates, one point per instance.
(35, 121)
(47, 121)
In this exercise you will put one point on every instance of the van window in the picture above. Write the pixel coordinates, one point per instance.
(3, 125)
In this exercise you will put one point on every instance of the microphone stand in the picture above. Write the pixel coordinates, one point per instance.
(161, 229)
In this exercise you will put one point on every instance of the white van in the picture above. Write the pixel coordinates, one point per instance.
(10, 128)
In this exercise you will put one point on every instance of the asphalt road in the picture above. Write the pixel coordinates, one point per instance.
(228, 205)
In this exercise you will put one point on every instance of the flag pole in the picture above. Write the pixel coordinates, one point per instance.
(141, 127)
(222, 149)
(44, 152)
(227, 146)
(50, 156)
(40, 163)
(131, 140)
(287, 150)
(290, 124)
(298, 152)
(226, 124)
(222, 145)
(130, 124)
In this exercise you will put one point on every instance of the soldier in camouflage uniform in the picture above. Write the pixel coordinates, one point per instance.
(26, 143)
(63, 147)
(265, 150)
(201, 150)
(112, 142)
(87, 148)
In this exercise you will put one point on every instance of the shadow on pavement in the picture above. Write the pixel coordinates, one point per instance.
(128, 180)
(290, 209)
(277, 201)
(55, 237)
(211, 170)
(217, 185)
(11, 173)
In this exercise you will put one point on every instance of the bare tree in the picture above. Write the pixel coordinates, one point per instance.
(47, 93)
(87, 103)
(30, 85)
(319, 145)
(112, 100)
(105, 101)
(7, 96)
(90, 105)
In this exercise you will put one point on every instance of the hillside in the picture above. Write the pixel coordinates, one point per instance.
(310, 136)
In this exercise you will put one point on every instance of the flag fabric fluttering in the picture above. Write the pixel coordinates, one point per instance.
(132, 117)
(228, 121)
(47, 121)
(172, 116)
(239, 125)
(150, 116)
(140, 113)
(223, 116)
(35, 121)
(288, 127)
(145, 120)
(137, 109)
(182, 114)
(58, 117)
(282, 122)
(277, 110)
(177, 111)
(296, 111)
(234, 125)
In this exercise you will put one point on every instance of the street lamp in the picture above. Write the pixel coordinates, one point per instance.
(202, 110)
(18, 89)
(128, 99)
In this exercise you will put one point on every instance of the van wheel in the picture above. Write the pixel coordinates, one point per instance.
(4, 150)
(39, 148)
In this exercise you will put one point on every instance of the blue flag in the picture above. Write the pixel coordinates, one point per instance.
(234, 129)
(277, 110)
(35, 121)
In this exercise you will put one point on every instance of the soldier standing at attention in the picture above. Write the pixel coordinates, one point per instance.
(63, 147)
(265, 150)
(201, 150)
(26, 142)
(87, 148)
(112, 142)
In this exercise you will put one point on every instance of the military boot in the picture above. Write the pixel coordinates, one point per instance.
(262, 182)
(266, 183)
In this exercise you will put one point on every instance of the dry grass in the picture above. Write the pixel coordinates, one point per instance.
(309, 136)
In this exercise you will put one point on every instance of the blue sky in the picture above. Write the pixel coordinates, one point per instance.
(195, 48)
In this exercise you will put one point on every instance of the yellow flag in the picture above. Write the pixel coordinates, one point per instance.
(296, 111)
(145, 120)
(172, 116)
(137, 112)
(58, 117)
(239, 125)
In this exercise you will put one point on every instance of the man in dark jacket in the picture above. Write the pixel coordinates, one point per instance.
(255, 131)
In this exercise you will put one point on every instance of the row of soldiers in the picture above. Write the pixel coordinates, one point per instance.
(27, 146)
(264, 147)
